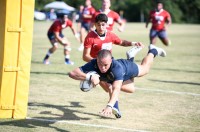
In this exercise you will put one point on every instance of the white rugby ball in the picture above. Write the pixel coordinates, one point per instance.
(86, 85)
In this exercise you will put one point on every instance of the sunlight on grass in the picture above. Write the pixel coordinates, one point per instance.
(55, 96)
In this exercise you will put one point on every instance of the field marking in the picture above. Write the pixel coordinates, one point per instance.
(83, 124)
(166, 91)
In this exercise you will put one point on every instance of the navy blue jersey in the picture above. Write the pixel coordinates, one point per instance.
(120, 69)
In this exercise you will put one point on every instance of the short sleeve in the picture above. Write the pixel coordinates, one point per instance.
(115, 39)
(90, 66)
(69, 23)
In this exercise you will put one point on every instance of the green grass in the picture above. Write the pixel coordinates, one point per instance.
(55, 96)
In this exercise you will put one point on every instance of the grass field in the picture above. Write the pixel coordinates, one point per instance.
(167, 99)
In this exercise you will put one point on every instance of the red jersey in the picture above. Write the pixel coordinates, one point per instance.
(112, 17)
(158, 19)
(88, 11)
(57, 26)
(97, 43)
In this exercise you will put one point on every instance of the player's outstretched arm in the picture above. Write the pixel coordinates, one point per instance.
(77, 74)
(75, 33)
(107, 111)
(126, 43)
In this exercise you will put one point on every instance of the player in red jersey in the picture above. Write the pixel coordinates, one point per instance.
(159, 17)
(55, 36)
(112, 16)
(86, 19)
(101, 38)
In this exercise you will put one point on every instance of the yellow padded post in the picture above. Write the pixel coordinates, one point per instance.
(15, 56)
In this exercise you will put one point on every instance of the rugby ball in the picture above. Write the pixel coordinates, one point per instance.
(87, 85)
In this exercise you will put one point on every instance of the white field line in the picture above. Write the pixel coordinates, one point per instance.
(83, 124)
(166, 91)
(110, 127)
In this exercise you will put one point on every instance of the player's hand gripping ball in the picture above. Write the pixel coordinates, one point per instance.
(87, 84)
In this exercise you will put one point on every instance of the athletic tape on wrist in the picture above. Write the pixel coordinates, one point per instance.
(88, 77)
(133, 43)
(109, 105)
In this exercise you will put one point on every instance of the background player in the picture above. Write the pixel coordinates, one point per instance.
(159, 17)
(112, 16)
(55, 36)
(87, 14)
(101, 38)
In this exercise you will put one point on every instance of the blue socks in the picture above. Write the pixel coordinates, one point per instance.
(116, 105)
(66, 59)
(153, 51)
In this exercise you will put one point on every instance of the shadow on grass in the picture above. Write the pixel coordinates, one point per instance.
(177, 82)
(50, 73)
(176, 70)
(47, 118)
(31, 124)
(68, 113)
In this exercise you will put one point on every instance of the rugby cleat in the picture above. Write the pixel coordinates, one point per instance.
(69, 62)
(161, 52)
(115, 110)
(46, 62)
(133, 51)
(81, 47)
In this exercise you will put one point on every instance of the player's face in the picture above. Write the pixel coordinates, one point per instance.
(105, 4)
(104, 64)
(64, 19)
(101, 27)
(88, 2)
(159, 6)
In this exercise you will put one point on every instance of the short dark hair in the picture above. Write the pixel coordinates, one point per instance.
(104, 53)
(159, 1)
(61, 15)
(101, 18)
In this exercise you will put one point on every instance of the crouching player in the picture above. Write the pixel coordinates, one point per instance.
(55, 36)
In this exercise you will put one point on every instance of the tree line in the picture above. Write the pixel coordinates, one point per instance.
(182, 11)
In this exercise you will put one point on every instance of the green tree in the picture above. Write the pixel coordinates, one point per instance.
(182, 11)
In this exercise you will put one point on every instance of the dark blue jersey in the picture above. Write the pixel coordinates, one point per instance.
(120, 69)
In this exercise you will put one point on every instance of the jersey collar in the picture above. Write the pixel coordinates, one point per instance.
(101, 37)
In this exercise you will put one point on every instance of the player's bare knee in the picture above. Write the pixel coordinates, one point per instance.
(132, 89)
(68, 48)
(55, 45)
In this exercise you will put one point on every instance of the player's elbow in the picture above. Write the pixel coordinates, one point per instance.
(85, 58)
(72, 75)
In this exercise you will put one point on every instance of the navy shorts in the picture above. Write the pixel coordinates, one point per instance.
(132, 70)
(86, 26)
(161, 34)
(52, 36)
